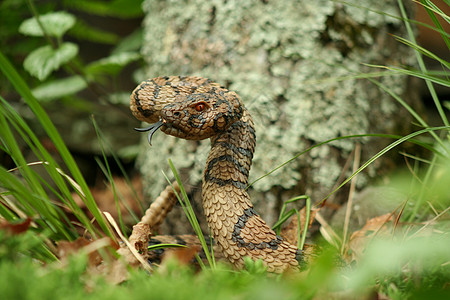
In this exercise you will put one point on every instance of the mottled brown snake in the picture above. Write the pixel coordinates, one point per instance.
(196, 108)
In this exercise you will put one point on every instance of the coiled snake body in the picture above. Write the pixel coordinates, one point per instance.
(195, 108)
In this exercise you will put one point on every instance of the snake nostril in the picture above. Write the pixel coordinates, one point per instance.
(177, 114)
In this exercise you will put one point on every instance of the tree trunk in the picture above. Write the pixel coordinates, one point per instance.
(292, 63)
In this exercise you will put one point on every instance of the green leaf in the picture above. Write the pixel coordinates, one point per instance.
(112, 64)
(119, 98)
(127, 8)
(84, 31)
(59, 88)
(55, 24)
(447, 104)
(132, 42)
(115, 8)
(44, 60)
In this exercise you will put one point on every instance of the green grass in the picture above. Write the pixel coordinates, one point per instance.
(382, 268)
(33, 197)
(409, 261)
(284, 216)
(190, 214)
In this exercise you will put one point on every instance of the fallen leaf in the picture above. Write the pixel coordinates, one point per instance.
(16, 228)
(183, 256)
(374, 227)
(290, 232)
(67, 248)
(106, 201)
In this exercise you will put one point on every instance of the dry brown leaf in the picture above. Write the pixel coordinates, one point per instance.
(17, 228)
(66, 248)
(183, 256)
(290, 232)
(104, 197)
(374, 227)
(133, 253)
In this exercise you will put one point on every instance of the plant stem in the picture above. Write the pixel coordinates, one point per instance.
(38, 20)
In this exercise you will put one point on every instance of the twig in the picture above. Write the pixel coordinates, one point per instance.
(143, 262)
(329, 234)
(348, 211)
(429, 222)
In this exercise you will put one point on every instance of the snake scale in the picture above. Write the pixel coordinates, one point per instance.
(196, 108)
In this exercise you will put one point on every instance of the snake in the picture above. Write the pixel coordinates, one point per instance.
(196, 108)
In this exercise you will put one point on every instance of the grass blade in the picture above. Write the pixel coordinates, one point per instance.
(23, 89)
(384, 151)
(424, 51)
(392, 136)
(187, 207)
(431, 9)
(285, 216)
(422, 66)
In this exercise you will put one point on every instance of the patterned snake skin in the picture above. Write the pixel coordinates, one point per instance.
(195, 108)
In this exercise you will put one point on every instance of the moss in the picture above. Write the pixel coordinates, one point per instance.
(275, 54)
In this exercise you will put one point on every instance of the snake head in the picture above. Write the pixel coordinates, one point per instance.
(192, 108)
(200, 116)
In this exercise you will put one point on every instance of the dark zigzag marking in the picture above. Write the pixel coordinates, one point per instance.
(223, 100)
(157, 89)
(220, 100)
(225, 116)
(223, 182)
(238, 126)
(240, 224)
(195, 117)
(247, 126)
(227, 158)
(204, 83)
(238, 150)
(144, 112)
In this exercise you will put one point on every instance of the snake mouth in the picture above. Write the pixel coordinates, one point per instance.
(152, 129)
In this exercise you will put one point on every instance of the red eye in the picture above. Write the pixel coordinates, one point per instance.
(200, 106)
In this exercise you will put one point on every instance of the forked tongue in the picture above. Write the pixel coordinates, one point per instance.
(152, 129)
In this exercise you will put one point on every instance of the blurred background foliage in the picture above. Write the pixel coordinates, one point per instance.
(83, 64)
(86, 65)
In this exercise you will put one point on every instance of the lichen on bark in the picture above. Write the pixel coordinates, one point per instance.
(284, 59)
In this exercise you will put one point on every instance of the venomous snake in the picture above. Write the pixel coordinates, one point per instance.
(196, 108)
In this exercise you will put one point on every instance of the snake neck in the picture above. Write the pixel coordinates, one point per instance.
(231, 155)
(236, 227)
(225, 199)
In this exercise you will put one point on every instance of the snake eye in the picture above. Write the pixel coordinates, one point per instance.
(200, 106)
